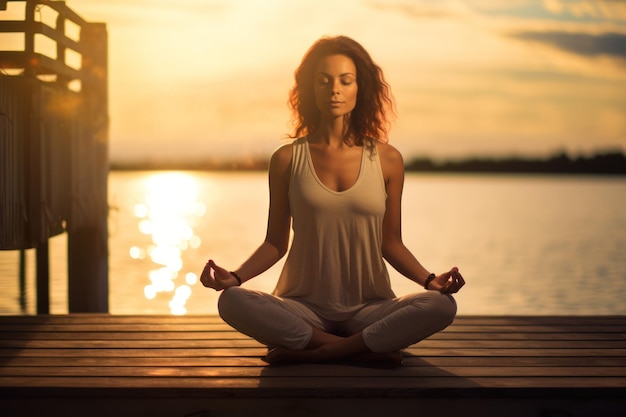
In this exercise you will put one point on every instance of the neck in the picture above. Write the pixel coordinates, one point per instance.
(332, 132)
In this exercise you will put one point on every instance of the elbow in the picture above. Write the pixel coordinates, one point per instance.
(280, 249)
(390, 248)
(387, 252)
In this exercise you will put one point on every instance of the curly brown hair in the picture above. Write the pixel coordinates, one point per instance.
(369, 122)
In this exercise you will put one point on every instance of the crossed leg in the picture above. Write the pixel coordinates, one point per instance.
(300, 336)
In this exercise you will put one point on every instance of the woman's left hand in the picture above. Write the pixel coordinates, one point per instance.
(448, 283)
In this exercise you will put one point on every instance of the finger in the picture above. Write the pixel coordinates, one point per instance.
(460, 279)
(219, 271)
(207, 281)
(446, 288)
(449, 274)
(443, 280)
(211, 264)
(206, 277)
(456, 286)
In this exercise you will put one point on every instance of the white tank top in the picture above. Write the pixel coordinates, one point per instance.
(335, 262)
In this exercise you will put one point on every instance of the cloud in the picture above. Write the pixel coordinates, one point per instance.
(608, 10)
(611, 44)
(419, 10)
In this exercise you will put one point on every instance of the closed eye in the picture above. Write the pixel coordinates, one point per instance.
(323, 80)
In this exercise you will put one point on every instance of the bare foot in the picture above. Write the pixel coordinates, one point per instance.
(282, 356)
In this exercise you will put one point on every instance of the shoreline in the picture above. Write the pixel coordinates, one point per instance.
(609, 163)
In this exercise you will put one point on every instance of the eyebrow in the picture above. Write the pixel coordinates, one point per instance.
(341, 75)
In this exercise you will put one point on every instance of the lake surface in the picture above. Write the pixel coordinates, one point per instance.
(527, 245)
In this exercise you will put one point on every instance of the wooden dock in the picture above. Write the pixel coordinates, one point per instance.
(105, 365)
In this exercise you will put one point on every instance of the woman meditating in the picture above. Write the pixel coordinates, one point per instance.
(338, 185)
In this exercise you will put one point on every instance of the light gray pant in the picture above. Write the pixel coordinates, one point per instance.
(387, 325)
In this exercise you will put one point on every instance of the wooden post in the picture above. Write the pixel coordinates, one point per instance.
(88, 232)
(22, 266)
(43, 281)
(35, 169)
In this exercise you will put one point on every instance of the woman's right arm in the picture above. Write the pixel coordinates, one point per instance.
(276, 240)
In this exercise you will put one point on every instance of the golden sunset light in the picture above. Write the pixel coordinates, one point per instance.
(208, 80)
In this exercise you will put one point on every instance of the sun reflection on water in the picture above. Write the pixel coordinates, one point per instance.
(168, 215)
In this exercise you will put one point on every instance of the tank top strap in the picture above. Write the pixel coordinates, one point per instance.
(372, 168)
(299, 157)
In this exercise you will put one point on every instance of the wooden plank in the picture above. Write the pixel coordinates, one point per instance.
(259, 352)
(216, 361)
(483, 321)
(159, 342)
(517, 361)
(95, 318)
(515, 352)
(618, 345)
(129, 327)
(142, 335)
(322, 370)
(106, 327)
(134, 344)
(328, 386)
(538, 320)
(231, 335)
(134, 353)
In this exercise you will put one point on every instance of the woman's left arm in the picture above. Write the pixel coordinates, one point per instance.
(394, 250)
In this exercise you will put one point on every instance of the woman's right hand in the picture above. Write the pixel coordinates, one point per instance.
(216, 277)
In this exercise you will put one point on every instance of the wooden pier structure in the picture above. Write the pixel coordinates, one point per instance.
(54, 144)
(105, 365)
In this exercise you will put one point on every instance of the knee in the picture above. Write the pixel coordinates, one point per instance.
(447, 308)
(441, 308)
(231, 302)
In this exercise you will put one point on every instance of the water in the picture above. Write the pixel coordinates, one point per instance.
(525, 244)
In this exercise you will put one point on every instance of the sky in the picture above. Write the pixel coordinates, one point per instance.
(208, 79)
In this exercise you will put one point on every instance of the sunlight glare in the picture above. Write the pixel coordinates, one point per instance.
(150, 292)
(177, 305)
(195, 242)
(191, 278)
(137, 253)
(167, 215)
(145, 227)
(141, 211)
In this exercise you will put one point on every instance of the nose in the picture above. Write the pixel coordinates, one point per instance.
(336, 88)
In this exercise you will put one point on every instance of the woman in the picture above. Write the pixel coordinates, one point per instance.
(340, 184)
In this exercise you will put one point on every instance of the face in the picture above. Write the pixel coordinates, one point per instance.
(335, 85)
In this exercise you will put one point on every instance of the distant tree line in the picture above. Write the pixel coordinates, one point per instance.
(608, 163)
(260, 164)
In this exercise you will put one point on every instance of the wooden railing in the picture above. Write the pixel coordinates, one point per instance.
(54, 146)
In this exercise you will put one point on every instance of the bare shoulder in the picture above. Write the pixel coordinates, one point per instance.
(282, 155)
(391, 160)
(389, 153)
(281, 159)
